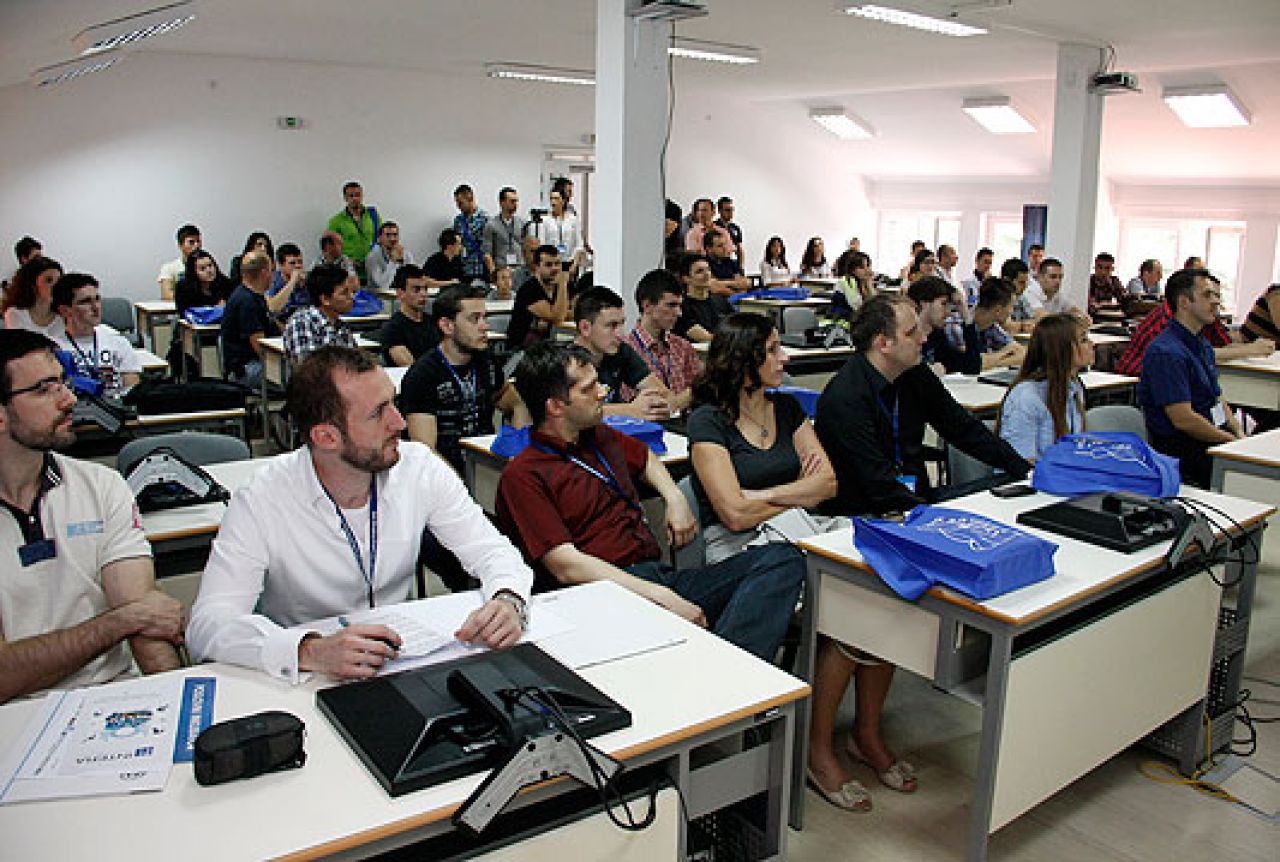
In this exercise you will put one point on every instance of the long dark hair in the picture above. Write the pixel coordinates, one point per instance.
(782, 251)
(253, 239)
(220, 288)
(1050, 356)
(733, 361)
(22, 291)
(811, 259)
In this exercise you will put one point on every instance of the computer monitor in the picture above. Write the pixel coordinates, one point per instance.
(426, 726)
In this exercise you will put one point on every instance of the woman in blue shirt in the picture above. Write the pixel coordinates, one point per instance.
(1046, 400)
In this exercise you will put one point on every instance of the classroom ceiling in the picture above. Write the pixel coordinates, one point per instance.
(905, 83)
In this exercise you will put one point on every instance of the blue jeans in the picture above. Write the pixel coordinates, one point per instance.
(748, 598)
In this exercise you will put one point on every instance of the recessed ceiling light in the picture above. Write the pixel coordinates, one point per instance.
(997, 116)
(1213, 107)
(913, 20)
(134, 28)
(543, 74)
(715, 52)
(62, 72)
(841, 124)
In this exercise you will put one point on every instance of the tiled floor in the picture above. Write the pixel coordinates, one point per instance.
(1113, 813)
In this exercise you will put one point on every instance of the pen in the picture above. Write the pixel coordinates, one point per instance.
(344, 622)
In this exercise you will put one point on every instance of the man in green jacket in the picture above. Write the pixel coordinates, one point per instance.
(357, 225)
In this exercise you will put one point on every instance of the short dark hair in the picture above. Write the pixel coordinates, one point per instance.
(849, 260)
(350, 184)
(984, 251)
(927, 289)
(385, 225)
(700, 200)
(323, 280)
(594, 300)
(724, 199)
(287, 250)
(545, 250)
(15, 344)
(1035, 246)
(1104, 257)
(25, 246)
(187, 230)
(994, 293)
(463, 189)
(328, 240)
(1186, 264)
(1050, 261)
(653, 285)
(877, 316)
(504, 191)
(673, 210)
(448, 237)
(403, 274)
(1183, 283)
(448, 303)
(688, 260)
(733, 361)
(1013, 267)
(1148, 265)
(312, 395)
(560, 184)
(543, 373)
(64, 289)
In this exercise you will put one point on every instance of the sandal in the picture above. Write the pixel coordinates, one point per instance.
(900, 776)
(851, 796)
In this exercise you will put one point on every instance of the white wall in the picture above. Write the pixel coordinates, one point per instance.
(103, 170)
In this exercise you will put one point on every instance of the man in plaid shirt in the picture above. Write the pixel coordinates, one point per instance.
(332, 289)
(671, 358)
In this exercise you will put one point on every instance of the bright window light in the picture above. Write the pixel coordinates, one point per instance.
(1206, 107)
(714, 52)
(542, 74)
(997, 116)
(913, 20)
(60, 73)
(840, 124)
(134, 28)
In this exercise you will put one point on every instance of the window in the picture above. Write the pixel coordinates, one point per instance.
(1172, 241)
(1002, 233)
(898, 230)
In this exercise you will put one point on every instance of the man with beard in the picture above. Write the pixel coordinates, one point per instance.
(76, 579)
(450, 392)
(334, 527)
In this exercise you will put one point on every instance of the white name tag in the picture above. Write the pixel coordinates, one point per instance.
(1219, 415)
(513, 259)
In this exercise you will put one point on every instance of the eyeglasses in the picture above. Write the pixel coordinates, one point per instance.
(45, 387)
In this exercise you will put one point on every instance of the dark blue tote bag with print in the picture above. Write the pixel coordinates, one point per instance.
(1105, 461)
(969, 553)
(203, 315)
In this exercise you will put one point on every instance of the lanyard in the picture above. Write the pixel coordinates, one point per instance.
(893, 423)
(367, 575)
(663, 372)
(611, 481)
(470, 390)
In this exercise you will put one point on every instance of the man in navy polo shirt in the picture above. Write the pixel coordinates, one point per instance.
(1179, 393)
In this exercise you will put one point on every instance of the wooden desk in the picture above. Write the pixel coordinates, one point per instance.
(1251, 382)
(155, 323)
(1249, 468)
(981, 399)
(234, 419)
(1057, 667)
(690, 703)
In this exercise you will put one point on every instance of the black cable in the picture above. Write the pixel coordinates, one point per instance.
(666, 138)
(1211, 557)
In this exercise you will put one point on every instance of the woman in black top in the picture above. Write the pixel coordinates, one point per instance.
(257, 241)
(203, 284)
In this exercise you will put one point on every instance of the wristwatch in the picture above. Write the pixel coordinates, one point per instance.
(521, 609)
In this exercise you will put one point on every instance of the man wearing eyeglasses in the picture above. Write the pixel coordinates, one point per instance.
(76, 579)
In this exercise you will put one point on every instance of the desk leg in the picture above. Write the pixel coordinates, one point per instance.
(266, 405)
(984, 784)
(805, 658)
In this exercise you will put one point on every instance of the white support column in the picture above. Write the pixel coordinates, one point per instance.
(1073, 186)
(631, 116)
(1258, 263)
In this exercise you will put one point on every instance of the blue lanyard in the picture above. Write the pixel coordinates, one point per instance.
(893, 423)
(470, 392)
(664, 373)
(610, 481)
(367, 575)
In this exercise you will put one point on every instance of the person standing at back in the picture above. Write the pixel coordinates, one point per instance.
(358, 226)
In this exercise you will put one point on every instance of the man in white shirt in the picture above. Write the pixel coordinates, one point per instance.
(386, 256)
(170, 273)
(335, 527)
(945, 269)
(98, 351)
(76, 579)
(1045, 296)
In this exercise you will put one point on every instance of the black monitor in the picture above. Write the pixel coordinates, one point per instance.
(426, 726)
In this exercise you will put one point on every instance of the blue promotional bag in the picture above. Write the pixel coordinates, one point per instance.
(510, 442)
(1105, 461)
(204, 315)
(771, 293)
(973, 555)
(365, 304)
(808, 398)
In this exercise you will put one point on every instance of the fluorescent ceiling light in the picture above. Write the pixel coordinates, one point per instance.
(544, 74)
(840, 124)
(1212, 107)
(134, 28)
(714, 52)
(997, 116)
(72, 69)
(913, 20)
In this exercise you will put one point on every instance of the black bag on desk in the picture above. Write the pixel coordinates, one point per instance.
(153, 397)
(249, 746)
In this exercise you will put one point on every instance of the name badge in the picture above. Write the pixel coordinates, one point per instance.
(1219, 415)
(37, 552)
(513, 259)
(909, 482)
(84, 528)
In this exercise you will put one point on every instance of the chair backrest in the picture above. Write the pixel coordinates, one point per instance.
(498, 322)
(694, 554)
(962, 468)
(797, 318)
(1116, 417)
(117, 312)
(198, 447)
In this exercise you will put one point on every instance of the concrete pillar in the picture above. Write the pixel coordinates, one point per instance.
(1258, 262)
(631, 116)
(1073, 185)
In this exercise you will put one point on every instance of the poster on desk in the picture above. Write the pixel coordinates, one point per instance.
(94, 741)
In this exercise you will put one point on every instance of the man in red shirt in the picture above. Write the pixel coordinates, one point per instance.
(570, 502)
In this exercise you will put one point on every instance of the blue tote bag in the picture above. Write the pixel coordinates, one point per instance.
(365, 304)
(1105, 461)
(204, 315)
(973, 555)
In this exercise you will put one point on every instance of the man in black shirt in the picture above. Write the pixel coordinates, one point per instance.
(246, 321)
(445, 266)
(541, 302)
(701, 311)
(410, 332)
(725, 208)
(872, 415)
(727, 277)
(451, 391)
(633, 390)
